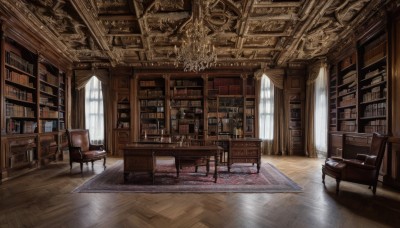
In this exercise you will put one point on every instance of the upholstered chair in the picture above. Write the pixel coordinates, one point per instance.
(363, 169)
(80, 149)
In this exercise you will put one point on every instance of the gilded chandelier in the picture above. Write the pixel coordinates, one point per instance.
(196, 52)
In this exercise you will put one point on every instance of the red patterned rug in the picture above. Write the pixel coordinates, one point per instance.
(242, 178)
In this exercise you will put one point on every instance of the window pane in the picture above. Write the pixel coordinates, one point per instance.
(94, 110)
(266, 109)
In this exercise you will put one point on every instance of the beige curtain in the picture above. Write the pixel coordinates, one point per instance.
(278, 145)
(310, 104)
(78, 109)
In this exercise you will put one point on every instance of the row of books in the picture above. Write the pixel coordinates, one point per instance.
(185, 83)
(372, 110)
(374, 73)
(348, 113)
(45, 112)
(156, 115)
(46, 76)
(186, 92)
(18, 78)
(16, 93)
(151, 129)
(375, 53)
(223, 81)
(349, 77)
(20, 126)
(18, 62)
(47, 101)
(349, 125)
(13, 110)
(374, 94)
(186, 103)
(250, 112)
(295, 113)
(347, 90)
(150, 93)
(145, 103)
(48, 125)
(375, 126)
(47, 89)
(347, 101)
(150, 83)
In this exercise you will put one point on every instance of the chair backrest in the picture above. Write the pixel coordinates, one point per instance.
(377, 148)
(79, 138)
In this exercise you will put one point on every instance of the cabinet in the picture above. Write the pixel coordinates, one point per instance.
(347, 94)
(122, 115)
(151, 95)
(294, 90)
(20, 90)
(362, 88)
(373, 84)
(34, 109)
(186, 108)
(231, 110)
(196, 106)
(244, 151)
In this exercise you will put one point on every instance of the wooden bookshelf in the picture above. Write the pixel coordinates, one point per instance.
(34, 109)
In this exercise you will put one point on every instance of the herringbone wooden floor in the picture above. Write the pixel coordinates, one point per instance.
(43, 198)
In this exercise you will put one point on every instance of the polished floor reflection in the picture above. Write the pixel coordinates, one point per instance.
(44, 198)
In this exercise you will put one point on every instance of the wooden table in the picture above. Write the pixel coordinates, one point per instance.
(133, 155)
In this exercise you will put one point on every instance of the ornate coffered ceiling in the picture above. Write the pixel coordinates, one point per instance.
(143, 33)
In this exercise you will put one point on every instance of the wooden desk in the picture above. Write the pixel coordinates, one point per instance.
(135, 151)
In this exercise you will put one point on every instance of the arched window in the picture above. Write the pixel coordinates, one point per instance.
(94, 110)
(266, 109)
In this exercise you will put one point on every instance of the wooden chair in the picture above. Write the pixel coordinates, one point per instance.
(80, 149)
(363, 169)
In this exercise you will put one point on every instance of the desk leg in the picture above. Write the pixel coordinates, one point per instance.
(126, 174)
(258, 166)
(216, 167)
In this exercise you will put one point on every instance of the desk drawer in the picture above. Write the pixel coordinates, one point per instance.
(244, 152)
(245, 144)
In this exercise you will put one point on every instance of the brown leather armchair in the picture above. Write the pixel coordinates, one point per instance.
(363, 169)
(80, 149)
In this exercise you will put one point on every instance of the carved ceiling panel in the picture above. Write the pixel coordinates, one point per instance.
(143, 33)
(113, 7)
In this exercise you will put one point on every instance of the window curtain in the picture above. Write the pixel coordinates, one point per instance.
(277, 144)
(321, 112)
(94, 110)
(311, 102)
(78, 107)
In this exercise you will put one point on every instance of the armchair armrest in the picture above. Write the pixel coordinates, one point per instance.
(356, 164)
(361, 157)
(335, 158)
(96, 147)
